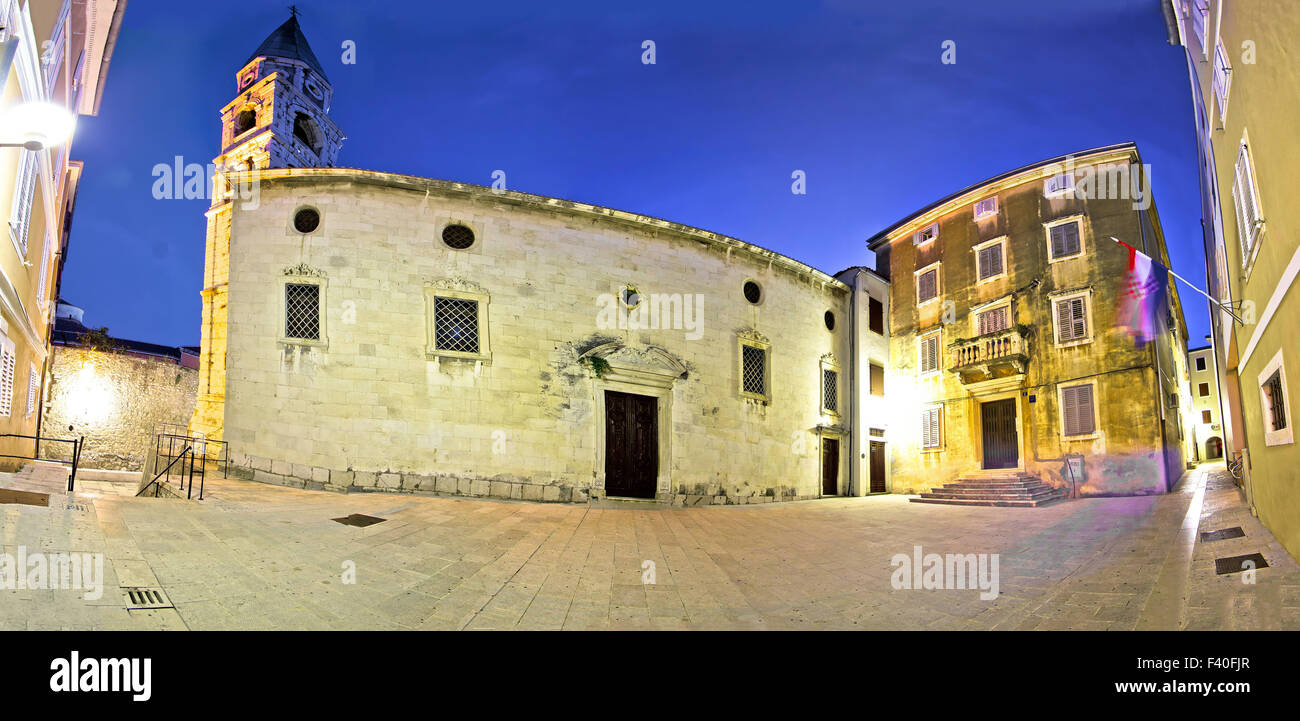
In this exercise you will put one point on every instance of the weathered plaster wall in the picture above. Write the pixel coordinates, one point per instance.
(370, 409)
(1127, 454)
(114, 400)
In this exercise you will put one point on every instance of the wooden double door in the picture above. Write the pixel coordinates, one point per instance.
(631, 445)
(998, 427)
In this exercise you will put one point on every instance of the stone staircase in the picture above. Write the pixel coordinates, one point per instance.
(1016, 490)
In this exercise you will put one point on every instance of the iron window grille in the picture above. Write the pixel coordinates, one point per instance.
(1276, 401)
(302, 311)
(455, 325)
(830, 390)
(753, 370)
(457, 237)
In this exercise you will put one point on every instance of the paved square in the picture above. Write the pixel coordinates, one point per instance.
(254, 556)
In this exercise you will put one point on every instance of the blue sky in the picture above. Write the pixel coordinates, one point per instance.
(555, 94)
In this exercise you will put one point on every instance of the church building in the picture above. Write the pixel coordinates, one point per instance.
(372, 331)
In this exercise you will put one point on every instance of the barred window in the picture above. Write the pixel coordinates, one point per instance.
(932, 428)
(1065, 240)
(1076, 410)
(302, 311)
(753, 363)
(1071, 319)
(1276, 402)
(455, 325)
(830, 390)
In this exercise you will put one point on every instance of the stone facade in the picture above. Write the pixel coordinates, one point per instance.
(371, 405)
(992, 333)
(113, 399)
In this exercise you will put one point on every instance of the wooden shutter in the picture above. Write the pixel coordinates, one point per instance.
(6, 381)
(1071, 320)
(1065, 240)
(33, 380)
(877, 380)
(930, 354)
(1243, 193)
(992, 321)
(1076, 404)
(928, 285)
(930, 430)
(990, 261)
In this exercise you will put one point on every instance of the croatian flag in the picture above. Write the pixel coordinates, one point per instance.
(1144, 297)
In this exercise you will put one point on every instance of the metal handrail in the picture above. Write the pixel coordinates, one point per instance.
(189, 451)
(77, 445)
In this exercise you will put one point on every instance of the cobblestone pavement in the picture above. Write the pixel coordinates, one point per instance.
(254, 556)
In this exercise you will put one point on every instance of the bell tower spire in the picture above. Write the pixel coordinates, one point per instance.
(280, 117)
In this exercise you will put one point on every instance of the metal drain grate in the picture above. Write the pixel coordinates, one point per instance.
(1236, 564)
(140, 597)
(359, 520)
(1234, 532)
(75, 506)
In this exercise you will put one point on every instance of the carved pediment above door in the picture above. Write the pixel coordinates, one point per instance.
(648, 365)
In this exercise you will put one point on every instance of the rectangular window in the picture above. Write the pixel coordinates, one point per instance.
(927, 285)
(994, 320)
(1201, 23)
(1071, 319)
(1173, 400)
(1077, 410)
(925, 235)
(876, 316)
(1203, 389)
(7, 360)
(1276, 400)
(1206, 418)
(932, 428)
(302, 311)
(1056, 185)
(1200, 363)
(1222, 80)
(830, 390)
(877, 380)
(989, 260)
(455, 325)
(1247, 204)
(24, 196)
(986, 207)
(930, 353)
(33, 382)
(1065, 240)
(753, 367)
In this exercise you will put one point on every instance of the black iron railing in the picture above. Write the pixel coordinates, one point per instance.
(77, 444)
(190, 466)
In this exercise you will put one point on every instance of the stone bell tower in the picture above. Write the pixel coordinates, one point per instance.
(278, 119)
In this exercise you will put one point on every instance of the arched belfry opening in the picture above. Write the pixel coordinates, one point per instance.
(307, 132)
(244, 121)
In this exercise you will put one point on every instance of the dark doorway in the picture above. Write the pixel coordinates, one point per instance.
(830, 466)
(998, 426)
(1213, 448)
(877, 463)
(631, 445)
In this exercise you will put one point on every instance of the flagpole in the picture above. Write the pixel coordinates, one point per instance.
(1187, 283)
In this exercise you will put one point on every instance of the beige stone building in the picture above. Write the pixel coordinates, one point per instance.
(1207, 416)
(50, 52)
(1245, 89)
(1005, 355)
(371, 331)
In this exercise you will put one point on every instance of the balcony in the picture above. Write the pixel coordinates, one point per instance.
(994, 355)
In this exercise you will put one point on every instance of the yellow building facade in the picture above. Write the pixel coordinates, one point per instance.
(1245, 88)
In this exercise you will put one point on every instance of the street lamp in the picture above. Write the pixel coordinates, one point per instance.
(36, 125)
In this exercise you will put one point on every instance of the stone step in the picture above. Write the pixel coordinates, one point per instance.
(994, 496)
(984, 502)
(995, 484)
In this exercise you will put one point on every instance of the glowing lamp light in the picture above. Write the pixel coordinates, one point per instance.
(90, 397)
(36, 125)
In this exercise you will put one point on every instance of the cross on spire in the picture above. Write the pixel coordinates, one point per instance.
(293, 11)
